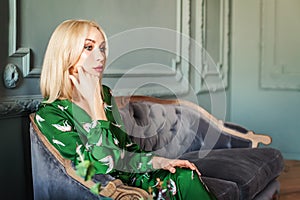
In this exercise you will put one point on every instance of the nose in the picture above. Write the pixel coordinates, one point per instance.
(100, 56)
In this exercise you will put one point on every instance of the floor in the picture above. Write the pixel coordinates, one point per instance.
(290, 181)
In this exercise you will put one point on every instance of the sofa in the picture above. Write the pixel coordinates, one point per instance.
(235, 162)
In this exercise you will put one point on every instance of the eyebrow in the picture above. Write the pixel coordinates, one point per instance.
(90, 40)
(93, 41)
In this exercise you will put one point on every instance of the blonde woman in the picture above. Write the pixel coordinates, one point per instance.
(77, 116)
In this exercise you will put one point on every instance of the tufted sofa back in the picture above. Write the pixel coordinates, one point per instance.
(171, 128)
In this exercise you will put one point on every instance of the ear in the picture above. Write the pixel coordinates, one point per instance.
(73, 70)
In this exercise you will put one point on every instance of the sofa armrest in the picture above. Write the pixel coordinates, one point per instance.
(114, 189)
(255, 138)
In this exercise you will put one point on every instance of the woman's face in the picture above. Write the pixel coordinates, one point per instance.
(93, 56)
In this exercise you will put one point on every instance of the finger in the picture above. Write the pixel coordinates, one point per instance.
(169, 165)
(191, 166)
(80, 68)
(186, 164)
(86, 76)
(198, 172)
(194, 166)
(74, 80)
(196, 169)
(172, 169)
(80, 72)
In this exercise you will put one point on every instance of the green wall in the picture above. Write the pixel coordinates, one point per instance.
(275, 112)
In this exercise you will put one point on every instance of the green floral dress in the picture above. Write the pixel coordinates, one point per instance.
(107, 146)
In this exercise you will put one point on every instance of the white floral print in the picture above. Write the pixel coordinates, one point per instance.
(64, 128)
(62, 108)
(89, 126)
(39, 119)
(58, 142)
(108, 160)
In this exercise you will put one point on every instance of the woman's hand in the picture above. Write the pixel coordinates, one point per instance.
(171, 164)
(88, 93)
(85, 83)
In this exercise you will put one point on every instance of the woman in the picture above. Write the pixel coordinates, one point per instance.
(80, 118)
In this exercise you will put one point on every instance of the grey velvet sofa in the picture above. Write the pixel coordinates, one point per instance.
(228, 156)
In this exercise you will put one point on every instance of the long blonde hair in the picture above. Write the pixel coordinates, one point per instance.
(64, 49)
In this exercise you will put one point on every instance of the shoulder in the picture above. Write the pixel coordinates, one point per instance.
(56, 106)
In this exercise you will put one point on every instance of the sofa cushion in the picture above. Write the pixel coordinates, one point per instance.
(222, 189)
(251, 169)
(270, 192)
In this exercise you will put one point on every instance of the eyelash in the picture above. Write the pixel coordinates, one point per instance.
(88, 47)
(102, 49)
(91, 47)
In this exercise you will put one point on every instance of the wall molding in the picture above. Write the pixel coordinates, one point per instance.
(19, 105)
(210, 75)
(277, 71)
(19, 56)
(176, 76)
(18, 67)
(13, 106)
(179, 67)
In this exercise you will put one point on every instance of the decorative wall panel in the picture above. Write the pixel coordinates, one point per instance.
(19, 97)
(280, 44)
(211, 46)
(126, 61)
(29, 34)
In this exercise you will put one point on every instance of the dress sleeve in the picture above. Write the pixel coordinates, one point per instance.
(107, 148)
(127, 156)
(101, 142)
(58, 129)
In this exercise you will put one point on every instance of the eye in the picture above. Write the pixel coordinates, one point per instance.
(88, 47)
(102, 49)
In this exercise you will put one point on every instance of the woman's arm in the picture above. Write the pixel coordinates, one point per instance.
(88, 94)
(92, 139)
(157, 162)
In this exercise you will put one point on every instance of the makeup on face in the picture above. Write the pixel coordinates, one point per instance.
(93, 56)
(95, 60)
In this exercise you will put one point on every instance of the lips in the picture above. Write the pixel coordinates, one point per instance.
(98, 68)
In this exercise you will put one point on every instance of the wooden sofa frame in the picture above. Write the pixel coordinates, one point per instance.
(116, 189)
